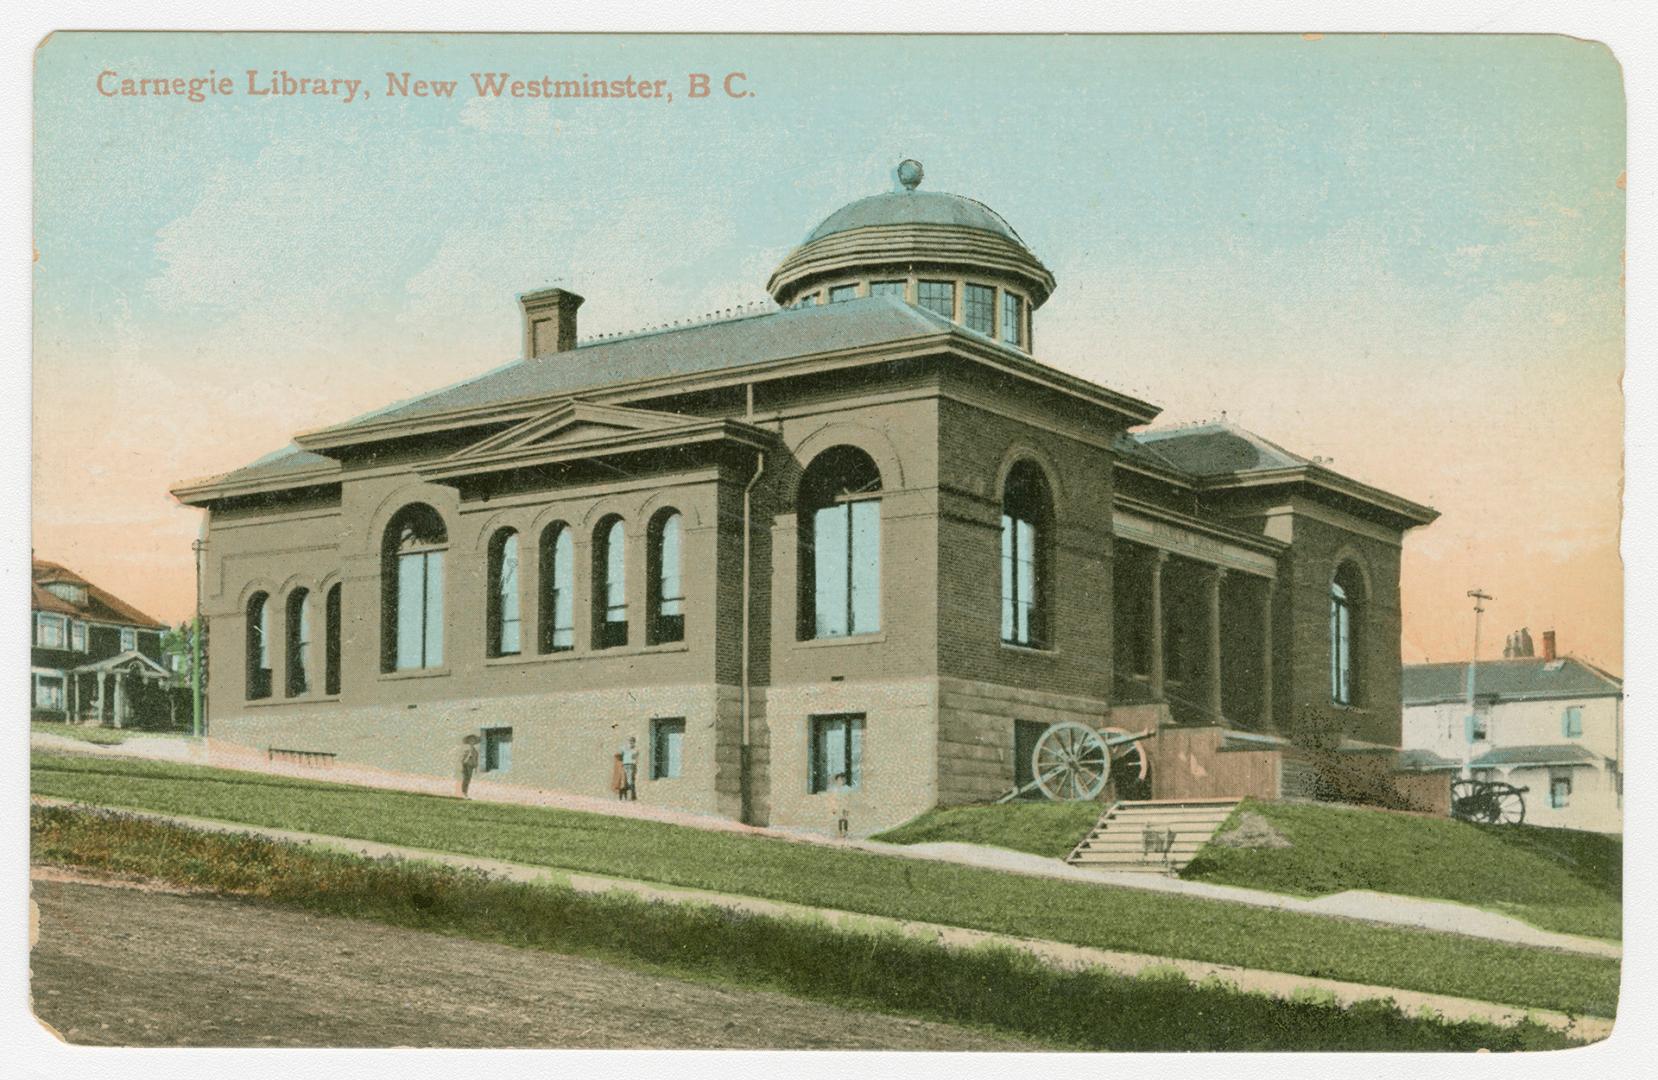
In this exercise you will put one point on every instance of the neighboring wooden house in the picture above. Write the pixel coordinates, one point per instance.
(89, 650)
(1551, 724)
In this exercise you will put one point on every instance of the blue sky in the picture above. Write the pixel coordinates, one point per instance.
(1401, 252)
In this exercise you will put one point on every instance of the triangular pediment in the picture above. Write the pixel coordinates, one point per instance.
(571, 423)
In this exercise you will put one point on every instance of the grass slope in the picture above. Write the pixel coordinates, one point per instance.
(1557, 879)
(850, 880)
(986, 987)
(1040, 828)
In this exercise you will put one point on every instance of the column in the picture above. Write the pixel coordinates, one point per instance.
(1216, 576)
(1266, 654)
(1158, 558)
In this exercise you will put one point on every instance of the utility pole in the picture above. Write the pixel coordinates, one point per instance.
(196, 714)
(1479, 597)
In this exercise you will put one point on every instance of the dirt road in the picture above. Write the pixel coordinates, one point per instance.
(125, 966)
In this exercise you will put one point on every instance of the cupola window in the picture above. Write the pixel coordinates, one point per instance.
(843, 292)
(939, 296)
(1013, 318)
(979, 308)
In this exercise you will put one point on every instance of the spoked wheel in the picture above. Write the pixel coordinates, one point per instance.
(1071, 762)
(1466, 804)
(1508, 805)
(1488, 802)
(1130, 767)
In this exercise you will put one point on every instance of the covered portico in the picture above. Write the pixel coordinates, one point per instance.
(1193, 618)
(98, 692)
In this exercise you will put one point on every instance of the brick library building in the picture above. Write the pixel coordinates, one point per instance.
(863, 547)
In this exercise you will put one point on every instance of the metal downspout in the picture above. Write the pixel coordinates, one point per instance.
(745, 755)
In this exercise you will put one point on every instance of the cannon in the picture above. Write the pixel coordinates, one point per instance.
(1072, 762)
(1491, 802)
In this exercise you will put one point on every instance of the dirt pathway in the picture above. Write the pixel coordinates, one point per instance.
(142, 967)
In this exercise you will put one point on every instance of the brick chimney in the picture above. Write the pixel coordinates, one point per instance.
(1548, 645)
(549, 321)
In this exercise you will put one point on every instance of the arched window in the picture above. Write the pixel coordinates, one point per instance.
(505, 624)
(298, 627)
(610, 603)
(1346, 607)
(840, 545)
(259, 646)
(665, 598)
(412, 589)
(331, 641)
(1027, 525)
(558, 588)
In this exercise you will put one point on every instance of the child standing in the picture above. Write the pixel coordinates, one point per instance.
(467, 760)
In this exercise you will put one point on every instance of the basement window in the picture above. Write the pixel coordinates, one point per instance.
(837, 750)
(667, 743)
(497, 749)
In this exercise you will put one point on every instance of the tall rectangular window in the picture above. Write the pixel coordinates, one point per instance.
(1013, 319)
(667, 742)
(939, 296)
(887, 288)
(611, 570)
(497, 749)
(666, 609)
(503, 622)
(837, 750)
(49, 631)
(1560, 790)
(420, 610)
(979, 308)
(331, 641)
(1018, 581)
(129, 639)
(1571, 723)
(77, 636)
(843, 292)
(1341, 646)
(558, 584)
(49, 692)
(847, 568)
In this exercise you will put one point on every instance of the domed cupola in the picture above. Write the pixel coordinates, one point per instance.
(943, 252)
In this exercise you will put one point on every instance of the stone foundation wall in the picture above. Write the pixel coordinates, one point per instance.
(976, 731)
(562, 742)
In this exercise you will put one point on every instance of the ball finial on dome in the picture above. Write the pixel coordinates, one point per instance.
(910, 173)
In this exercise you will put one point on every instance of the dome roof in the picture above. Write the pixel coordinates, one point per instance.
(911, 207)
(903, 231)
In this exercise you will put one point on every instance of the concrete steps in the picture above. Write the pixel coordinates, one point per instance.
(1156, 837)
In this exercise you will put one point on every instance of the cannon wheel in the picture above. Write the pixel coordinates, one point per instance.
(1071, 762)
(1509, 805)
(1130, 766)
(1488, 802)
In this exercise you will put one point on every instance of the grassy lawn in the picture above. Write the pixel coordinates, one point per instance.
(1556, 879)
(102, 736)
(850, 880)
(1041, 828)
(986, 987)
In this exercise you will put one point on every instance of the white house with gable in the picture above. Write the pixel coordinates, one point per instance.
(1550, 724)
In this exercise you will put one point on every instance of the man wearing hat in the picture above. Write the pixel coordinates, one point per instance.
(468, 762)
